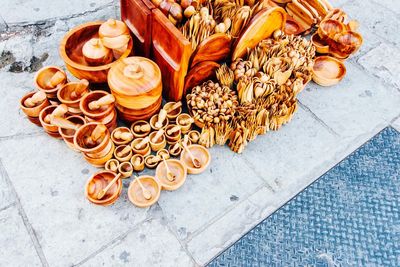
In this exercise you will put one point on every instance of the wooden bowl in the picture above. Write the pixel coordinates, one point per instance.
(97, 114)
(123, 158)
(163, 153)
(194, 136)
(177, 168)
(160, 144)
(125, 169)
(345, 44)
(172, 138)
(50, 129)
(148, 164)
(64, 95)
(118, 141)
(68, 134)
(44, 75)
(176, 153)
(131, 115)
(135, 193)
(321, 46)
(100, 160)
(141, 134)
(107, 166)
(328, 71)
(185, 128)
(137, 166)
(292, 26)
(98, 182)
(199, 152)
(153, 121)
(86, 130)
(329, 28)
(71, 52)
(33, 111)
(142, 151)
(174, 113)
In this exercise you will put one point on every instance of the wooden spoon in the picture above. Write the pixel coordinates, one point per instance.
(101, 194)
(195, 161)
(170, 176)
(146, 193)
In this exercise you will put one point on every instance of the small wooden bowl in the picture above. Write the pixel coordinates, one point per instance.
(140, 135)
(176, 153)
(43, 76)
(99, 160)
(175, 137)
(160, 144)
(292, 27)
(98, 182)
(86, 130)
(174, 113)
(107, 166)
(328, 71)
(143, 151)
(163, 153)
(194, 136)
(187, 127)
(118, 141)
(68, 135)
(135, 193)
(329, 27)
(64, 95)
(345, 44)
(137, 167)
(153, 121)
(124, 158)
(177, 168)
(50, 129)
(71, 53)
(320, 45)
(125, 169)
(199, 152)
(148, 164)
(33, 111)
(97, 114)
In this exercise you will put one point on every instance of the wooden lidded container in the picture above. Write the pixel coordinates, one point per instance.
(136, 84)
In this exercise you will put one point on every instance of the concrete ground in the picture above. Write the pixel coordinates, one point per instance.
(45, 218)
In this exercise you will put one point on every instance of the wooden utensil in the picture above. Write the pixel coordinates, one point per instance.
(146, 193)
(195, 161)
(124, 151)
(123, 135)
(80, 88)
(157, 136)
(101, 194)
(170, 176)
(142, 143)
(56, 79)
(174, 106)
(98, 132)
(59, 111)
(105, 100)
(35, 99)
(64, 123)
(161, 117)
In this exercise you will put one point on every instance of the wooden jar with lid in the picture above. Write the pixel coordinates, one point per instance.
(136, 84)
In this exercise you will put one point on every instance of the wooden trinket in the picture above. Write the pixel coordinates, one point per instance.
(193, 152)
(49, 80)
(67, 128)
(158, 122)
(141, 146)
(140, 129)
(185, 121)
(71, 94)
(32, 104)
(136, 84)
(114, 34)
(112, 165)
(163, 153)
(173, 133)
(320, 45)
(173, 110)
(171, 174)
(98, 182)
(126, 169)
(328, 71)
(121, 136)
(96, 54)
(98, 106)
(123, 153)
(194, 136)
(137, 162)
(175, 149)
(71, 52)
(45, 118)
(152, 161)
(144, 191)
(157, 140)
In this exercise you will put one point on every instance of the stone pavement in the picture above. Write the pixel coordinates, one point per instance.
(45, 218)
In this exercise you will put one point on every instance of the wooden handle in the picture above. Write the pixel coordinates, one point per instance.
(59, 111)
(142, 143)
(142, 128)
(105, 100)
(161, 117)
(35, 99)
(101, 194)
(126, 136)
(98, 132)
(146, 193)
(56, 79)
(133, 71)
(186, 121)
(64, 123)
(113, 166)
(158, 135)
(124, 151)
(175, 147)
(154, 159)
(174, 130)
(174, 106)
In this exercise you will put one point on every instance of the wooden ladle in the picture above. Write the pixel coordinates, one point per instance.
(170, 176)
(101, 194)
(195, 161)
(80, 88)
(146, 193)
(105, 100)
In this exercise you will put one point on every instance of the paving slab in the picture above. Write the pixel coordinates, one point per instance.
(7, 196)
(210, 194)
(355, 106)
(17, 249)
(396, 124)
(49, 179)
(150, 244)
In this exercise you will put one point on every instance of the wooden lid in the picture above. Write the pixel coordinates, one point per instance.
(134, 76)
(113, 28)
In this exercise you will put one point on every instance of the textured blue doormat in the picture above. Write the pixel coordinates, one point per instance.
(349, 217)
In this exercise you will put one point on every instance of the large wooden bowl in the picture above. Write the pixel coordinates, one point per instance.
(71, 52)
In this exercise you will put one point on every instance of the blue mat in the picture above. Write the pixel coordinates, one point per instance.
(349, 217)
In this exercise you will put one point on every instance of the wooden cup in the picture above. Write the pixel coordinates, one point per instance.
(137, 162)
